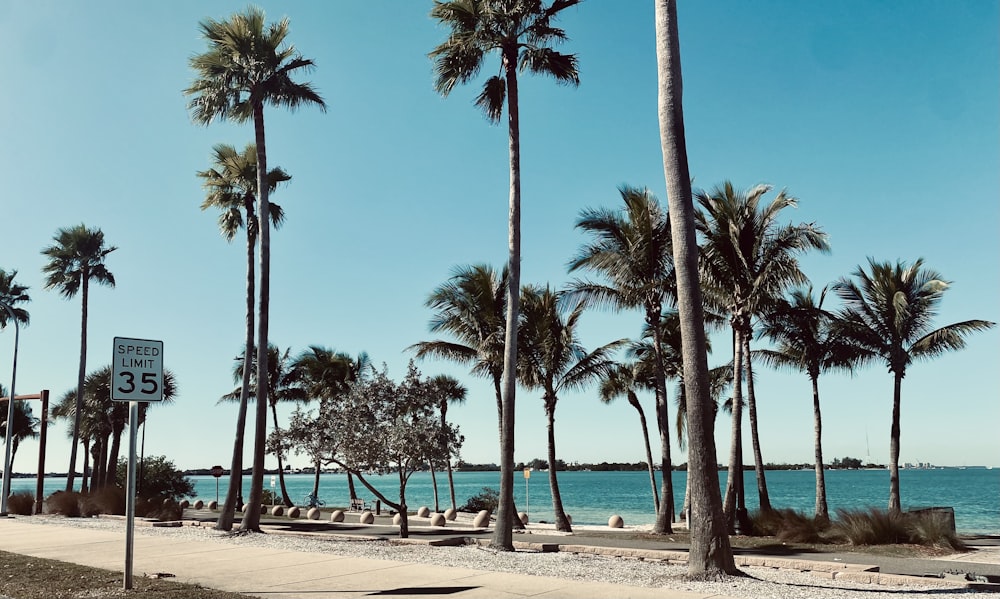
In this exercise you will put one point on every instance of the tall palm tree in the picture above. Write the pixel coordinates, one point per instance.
(25, 424)
(76, 259)
(522, 34)
(552, 359)
(710, 554)
(749, 260)
(624, 380)
(448, 391)
(807, 339)
(631, 249)
(12, 294)
(231, 187)
(284, 386)
(887, 314)
(246, 66)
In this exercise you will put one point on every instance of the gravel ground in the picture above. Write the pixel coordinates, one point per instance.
(761, 582)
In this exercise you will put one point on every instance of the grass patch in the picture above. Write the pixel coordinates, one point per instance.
(28, 577)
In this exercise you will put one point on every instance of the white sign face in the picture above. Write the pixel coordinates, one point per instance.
(137, 370)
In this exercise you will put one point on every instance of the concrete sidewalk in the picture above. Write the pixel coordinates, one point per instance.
(281, 574)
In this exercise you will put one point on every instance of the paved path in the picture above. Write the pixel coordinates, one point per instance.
(280, 574)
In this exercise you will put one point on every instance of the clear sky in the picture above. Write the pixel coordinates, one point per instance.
(881, 117)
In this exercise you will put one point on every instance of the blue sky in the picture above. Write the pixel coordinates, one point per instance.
(882, 117)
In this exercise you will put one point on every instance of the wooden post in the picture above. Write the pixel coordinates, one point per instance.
(40, 484)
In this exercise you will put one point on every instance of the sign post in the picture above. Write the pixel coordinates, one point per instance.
(527, 475)
(136, 375)
(217, 471)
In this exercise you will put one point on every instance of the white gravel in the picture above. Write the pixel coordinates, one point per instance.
(761, 582)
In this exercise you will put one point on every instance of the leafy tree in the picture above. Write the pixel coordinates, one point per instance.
(246, 66)
(388, 427)
(631, 250)
(522, 34)
(76, 259)
(162, 479)
(231, 187)
(888, 311)
(553, 359)
(710, 555)
(807, 339)
(749, 260)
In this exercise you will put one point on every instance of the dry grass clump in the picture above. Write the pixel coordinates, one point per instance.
(65, 503)
(790, 526)
(21, 503)
(878, 527)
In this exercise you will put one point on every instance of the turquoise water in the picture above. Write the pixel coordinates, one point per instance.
(591, 497)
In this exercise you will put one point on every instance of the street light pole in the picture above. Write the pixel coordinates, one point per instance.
(10, 416)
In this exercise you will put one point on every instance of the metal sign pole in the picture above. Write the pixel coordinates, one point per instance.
(133, 425)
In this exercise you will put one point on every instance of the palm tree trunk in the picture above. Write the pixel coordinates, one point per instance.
(822, 512)
(710, 555)
(664, 515)
(434, 483)
(895, 503)
(447, 458)
(116, 443)
(350, 486)
(451, 486)
(735, 476)
(316, 468)
(562, 522)
(84, 482)
(634, 402)
(281, 466)
(81, 374)
(503, 532)
(234, 494)
(758, 460)
(252, 519)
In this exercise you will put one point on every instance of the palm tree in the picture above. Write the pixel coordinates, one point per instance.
(749, 259)
(631, 249)
(76, 259)
(623, 379)
(552, 359)
(231, 185)
(326, 375)
(522, 33)
(11, 294)
(448, 391)
(807, 340)
(887, 314)
(710, 554)
(283, 381)
(471, 307)
(245, 67)
(25, 424)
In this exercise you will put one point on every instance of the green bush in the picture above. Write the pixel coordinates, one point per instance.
(65, 503)
(487, 499)
(160, 479)
(21, 503)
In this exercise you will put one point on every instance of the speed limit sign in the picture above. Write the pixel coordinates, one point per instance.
(137, 371)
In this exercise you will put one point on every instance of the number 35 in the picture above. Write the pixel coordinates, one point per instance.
(149, 386)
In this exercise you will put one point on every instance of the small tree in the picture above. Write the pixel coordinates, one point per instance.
(161, 479)
(386, 427)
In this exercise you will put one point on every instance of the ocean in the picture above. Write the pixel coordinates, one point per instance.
(592, 497)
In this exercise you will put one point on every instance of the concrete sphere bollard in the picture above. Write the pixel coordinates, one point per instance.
(263, 510)
(367, 517)
(423, 511)
(213, 505)
(313, 513)
(337, 516)
(278, 510)
(482, 519)
(437, 520)
(450, 514)
(615, 521)
(294, 511)
(523, 517)
(397, 520)
(199, 504)
(185, 504)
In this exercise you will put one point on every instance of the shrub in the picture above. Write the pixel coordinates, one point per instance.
(106, 500)
(487, 499)
(21, 503)
(789, 526)
(871, 527)
(157, 509)
(160, 479)
(66, 503)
